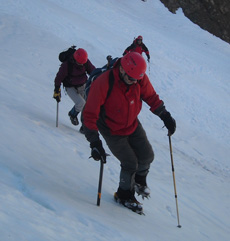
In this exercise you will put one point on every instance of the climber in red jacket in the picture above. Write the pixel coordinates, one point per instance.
(139, 47)
(116, 118)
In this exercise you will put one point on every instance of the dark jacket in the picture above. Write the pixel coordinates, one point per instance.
(78, 75)
(118, 113)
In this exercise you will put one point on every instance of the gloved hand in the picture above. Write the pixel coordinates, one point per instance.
(57, 94)
(109, 58)
(148, 58)
(169, 122)
(98, 152)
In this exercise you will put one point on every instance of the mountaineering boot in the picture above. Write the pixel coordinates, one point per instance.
(82, 131)
(144, 191)
(127, 199)
(73, 116)
(141, 187)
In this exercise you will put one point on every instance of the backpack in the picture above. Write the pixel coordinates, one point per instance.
(98, 71)
(65, 56)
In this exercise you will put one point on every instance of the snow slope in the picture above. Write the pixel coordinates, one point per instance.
(48, 185)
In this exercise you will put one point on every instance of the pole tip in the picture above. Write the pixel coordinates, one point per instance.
(179, 226)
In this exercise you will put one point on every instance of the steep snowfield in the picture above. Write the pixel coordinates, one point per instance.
(48, 185)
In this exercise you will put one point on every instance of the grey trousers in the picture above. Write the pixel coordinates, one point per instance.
(77, 96)
(134, 153)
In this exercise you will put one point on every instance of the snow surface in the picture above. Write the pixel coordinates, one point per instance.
(48, 185)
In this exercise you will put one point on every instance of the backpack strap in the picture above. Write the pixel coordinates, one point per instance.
(70, 68)
(66, 80)
(111, 83)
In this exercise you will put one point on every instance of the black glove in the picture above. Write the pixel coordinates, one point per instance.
(109, 58)
(57, 94)
(169, 122)
(148, 58)
(98, 152)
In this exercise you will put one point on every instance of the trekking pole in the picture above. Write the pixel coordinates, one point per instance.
(174, 181)
(57, 114)
(100, 182)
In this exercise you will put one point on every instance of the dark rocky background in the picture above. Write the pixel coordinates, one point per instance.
(211, 15)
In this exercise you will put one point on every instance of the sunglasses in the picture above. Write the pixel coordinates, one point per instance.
(130, 78)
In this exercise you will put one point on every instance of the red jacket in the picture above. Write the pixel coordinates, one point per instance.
(123, 104)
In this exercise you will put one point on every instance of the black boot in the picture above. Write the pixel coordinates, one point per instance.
(127, 198)
(73, 116)
(82, 131)
(141, 187)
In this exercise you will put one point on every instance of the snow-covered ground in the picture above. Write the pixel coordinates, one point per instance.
(48, 185)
